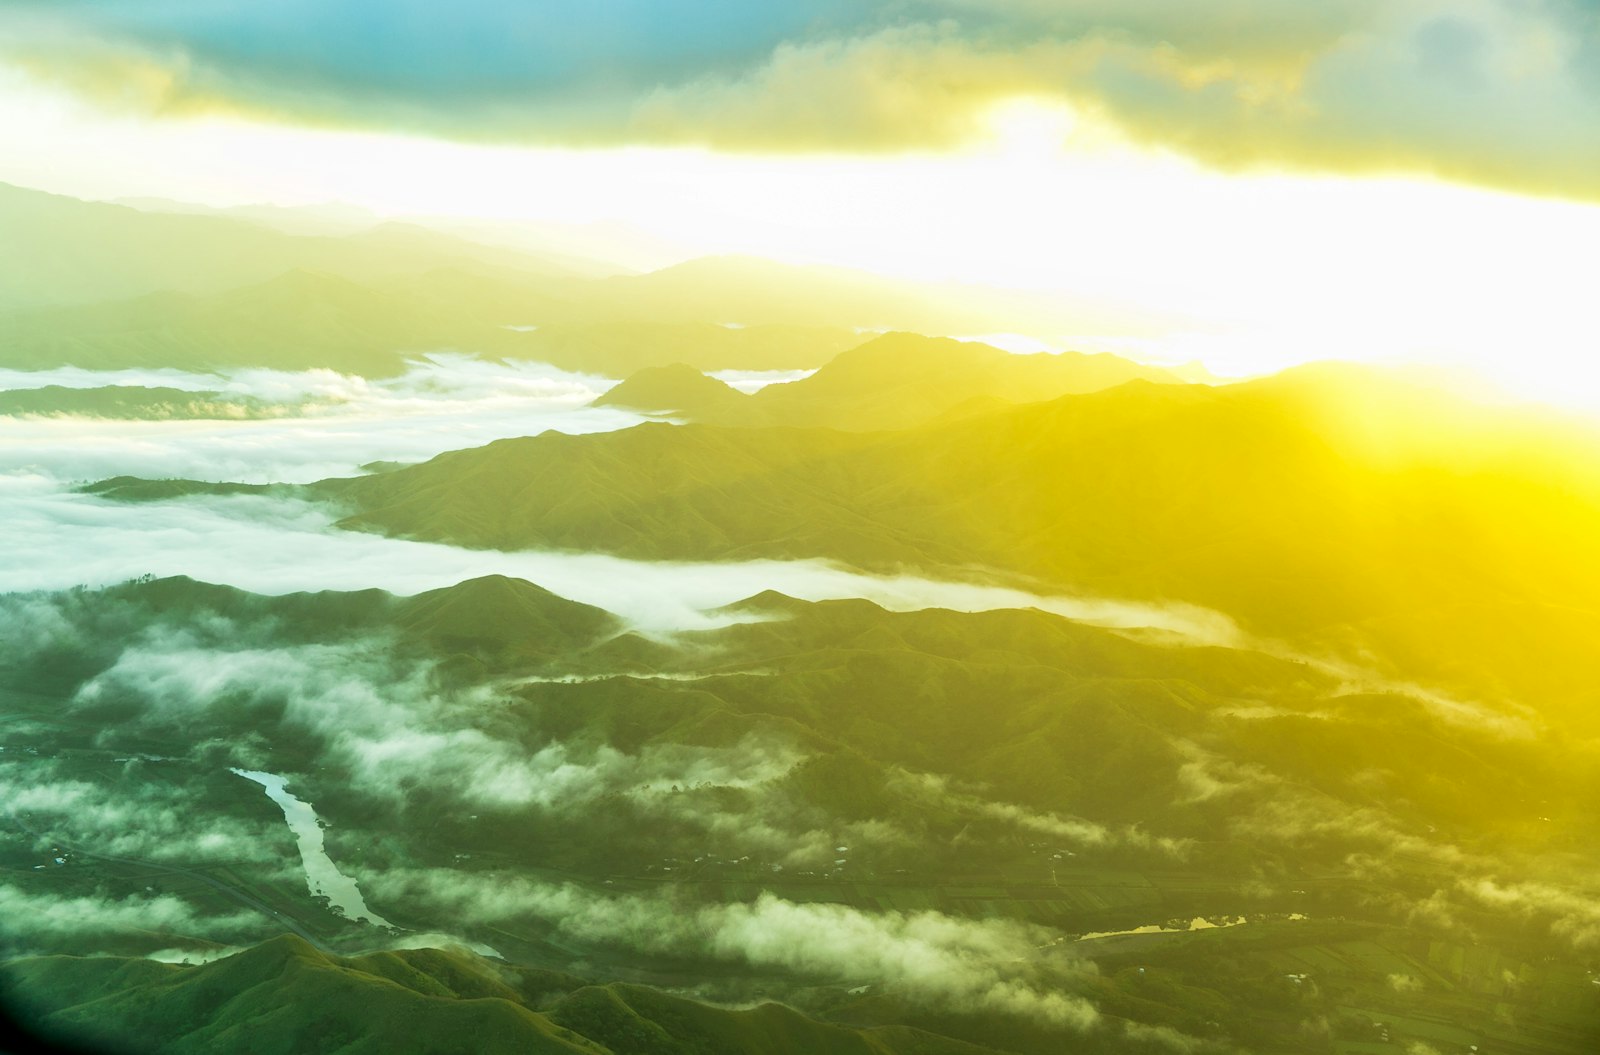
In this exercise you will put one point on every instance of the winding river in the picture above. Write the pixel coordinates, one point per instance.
(323, 877)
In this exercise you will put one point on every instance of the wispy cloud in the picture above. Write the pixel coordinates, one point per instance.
(43, 922)
(940, 791)
(1571, 915)
(148, 820)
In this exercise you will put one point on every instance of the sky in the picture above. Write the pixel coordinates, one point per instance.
(1269, 181)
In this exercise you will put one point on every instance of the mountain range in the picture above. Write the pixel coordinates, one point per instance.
(1280, 502)
(891, 382)
(1146, 713)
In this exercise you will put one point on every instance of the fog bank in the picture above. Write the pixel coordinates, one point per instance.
(51, 539)
(333, 422)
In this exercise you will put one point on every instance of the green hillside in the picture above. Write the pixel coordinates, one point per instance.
(509, 618)
(285, 997)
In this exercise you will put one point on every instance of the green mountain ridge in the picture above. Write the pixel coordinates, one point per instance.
(506, 620)
(896, 381)
(1257, 499)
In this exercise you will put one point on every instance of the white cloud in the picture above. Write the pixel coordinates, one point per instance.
(51, 539)
(1572, 915)
(33, 919)
(941, 960)
(157, 821)
(934, 789)
(444, 402)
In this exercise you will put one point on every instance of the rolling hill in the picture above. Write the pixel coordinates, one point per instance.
(285, 996)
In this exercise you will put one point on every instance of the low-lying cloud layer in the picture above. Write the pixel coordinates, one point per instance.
(337, 423)
(363, 707)
(939, 960)
(1572, 916)
(56, 539)
(141, 819)
(937, 790)
(36, 922)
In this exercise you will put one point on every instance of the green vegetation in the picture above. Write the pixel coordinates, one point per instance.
(1055, 775)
